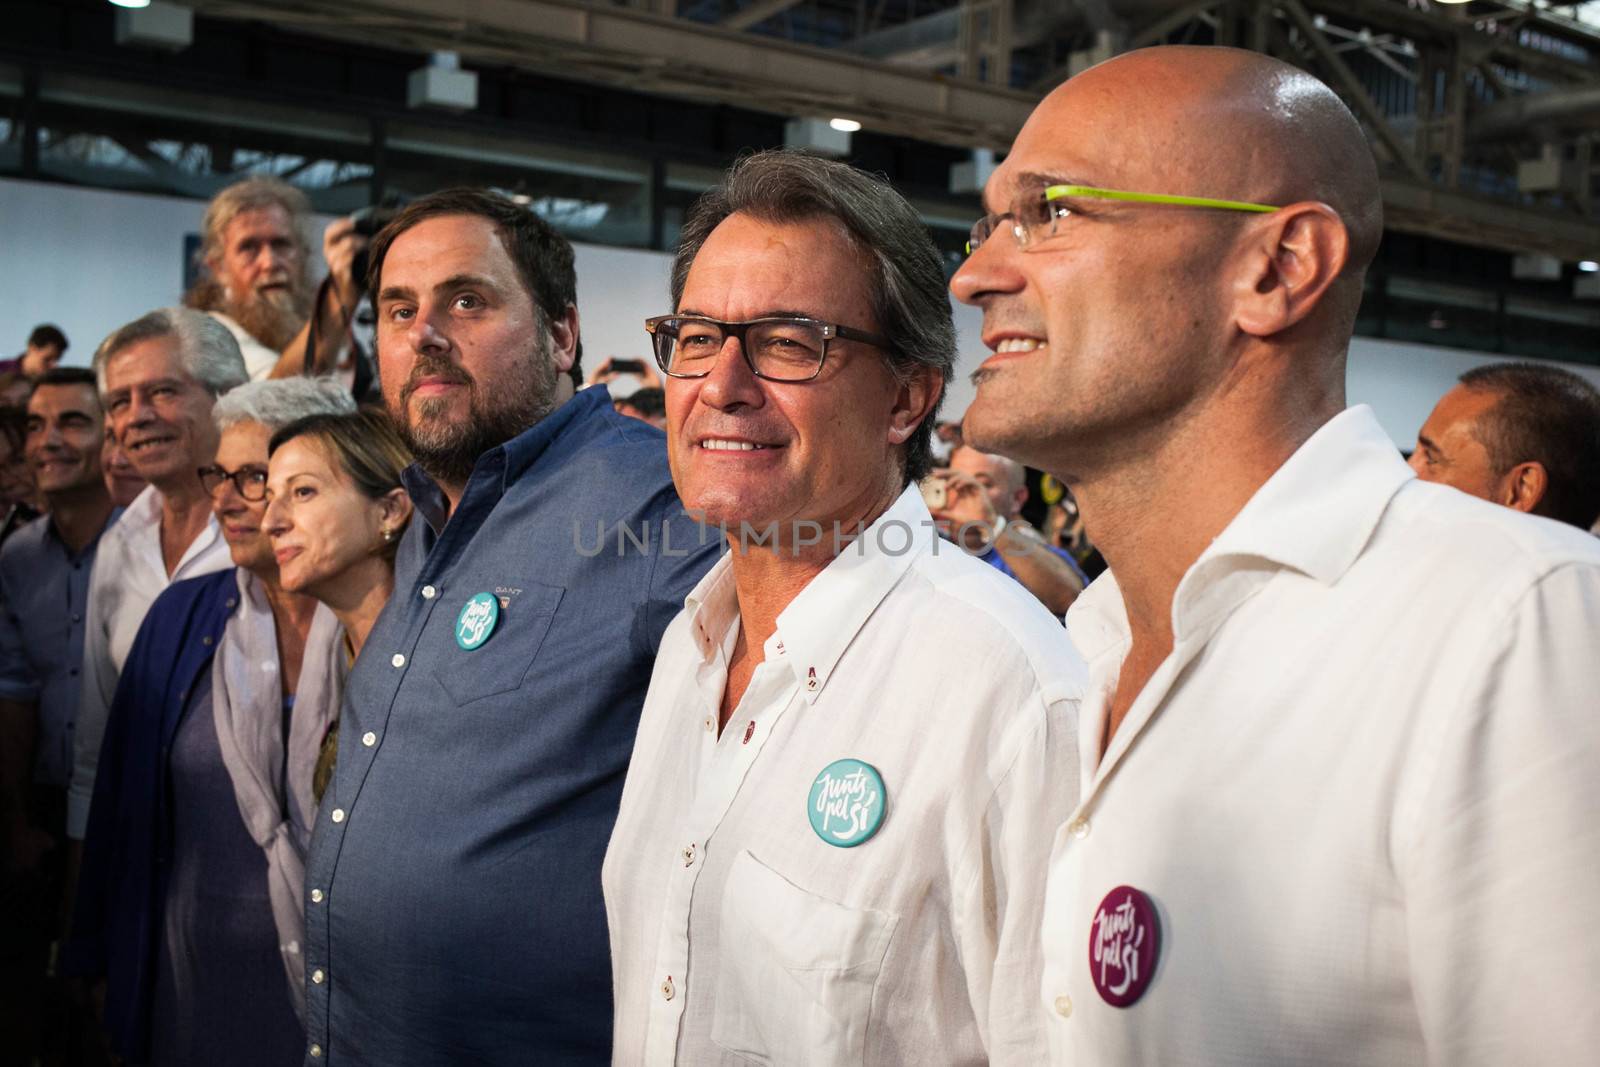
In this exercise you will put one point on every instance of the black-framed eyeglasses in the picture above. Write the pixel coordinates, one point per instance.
(249, 482)
(778, 348)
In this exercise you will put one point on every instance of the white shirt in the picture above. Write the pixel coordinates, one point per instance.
(1361, 792)
(258, 358)
(738, 934)
(129, 573)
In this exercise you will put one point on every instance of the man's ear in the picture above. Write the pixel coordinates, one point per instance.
(1524, 486)
(1294, 256)
(914, 400)
(564, 338)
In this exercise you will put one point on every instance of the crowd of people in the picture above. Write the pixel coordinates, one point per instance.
(437, 708)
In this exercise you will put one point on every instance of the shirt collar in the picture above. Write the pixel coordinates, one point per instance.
(1317, 511)
(1314, 515)
(822, 621)
(145, 509)
(512, 458)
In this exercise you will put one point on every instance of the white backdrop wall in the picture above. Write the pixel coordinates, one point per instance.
(90, 260)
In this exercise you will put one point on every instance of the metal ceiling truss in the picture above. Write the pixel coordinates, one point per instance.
(1455, 99)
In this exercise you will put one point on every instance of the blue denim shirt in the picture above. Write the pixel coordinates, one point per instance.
(44, 605)
(453, 910)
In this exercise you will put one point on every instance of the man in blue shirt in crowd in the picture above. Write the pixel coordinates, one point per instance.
(453, 907)
(977, 501)
(44, 589)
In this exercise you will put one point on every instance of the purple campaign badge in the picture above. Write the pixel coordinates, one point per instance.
(1124, 944)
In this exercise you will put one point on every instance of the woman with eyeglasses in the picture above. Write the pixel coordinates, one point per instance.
(189, 903)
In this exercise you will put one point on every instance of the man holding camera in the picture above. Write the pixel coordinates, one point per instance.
(977, 501)
(257, 277)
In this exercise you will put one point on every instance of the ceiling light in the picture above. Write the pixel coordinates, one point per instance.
(131, 3)
(845, 125)
(1589, 266)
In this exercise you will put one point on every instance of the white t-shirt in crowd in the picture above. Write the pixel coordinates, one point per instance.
(258, 358)
(1358, 799)
(740, 935)
(129, 573)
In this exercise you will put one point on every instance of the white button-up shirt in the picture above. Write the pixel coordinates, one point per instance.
(737, 934)
(129, 573)
(1361, 792)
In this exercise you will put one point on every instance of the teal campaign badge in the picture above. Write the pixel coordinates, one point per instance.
(476, 621)
(846, 803)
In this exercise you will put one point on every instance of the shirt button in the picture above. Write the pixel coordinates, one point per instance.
(710, 723)
(1063, 1005)
(369, 739)
(76, 616)
(398, 660)
(316, 1052)
(316, 896)
(667, 992)
(429, 592)
(688, 856)
(1079, 827)
(338, 815)
(317, 976)
(206, 640)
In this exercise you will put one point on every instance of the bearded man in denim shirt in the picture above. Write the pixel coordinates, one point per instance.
(453, 905)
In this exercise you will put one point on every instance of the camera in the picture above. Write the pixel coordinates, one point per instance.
(368, 221)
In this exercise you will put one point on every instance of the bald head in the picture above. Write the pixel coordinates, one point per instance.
(1005, 480)
(1114, 321)
(1228, 123)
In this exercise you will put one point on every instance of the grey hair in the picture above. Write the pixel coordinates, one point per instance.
(209, 352)
(275, 404)
(908, 295)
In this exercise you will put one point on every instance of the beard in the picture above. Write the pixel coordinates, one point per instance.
(273, 316)
(447, 448)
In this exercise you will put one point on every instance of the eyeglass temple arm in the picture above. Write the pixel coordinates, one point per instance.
(1057, 192)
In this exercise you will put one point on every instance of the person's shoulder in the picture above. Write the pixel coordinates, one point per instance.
(993, 617)
(190, 594)
(25, 543)
(1454, 535)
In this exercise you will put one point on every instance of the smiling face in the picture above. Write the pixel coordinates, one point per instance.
(160, 415)
(745, 450)
(243, 447)
(122, 481)
(320, 524)
(66, 432)
(465, 358)
(1112, 323)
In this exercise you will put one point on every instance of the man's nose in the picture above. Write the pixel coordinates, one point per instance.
(731, 381)
(991, 268)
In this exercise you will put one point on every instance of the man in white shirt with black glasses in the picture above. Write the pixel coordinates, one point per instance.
(858, 741)
(1341, 744)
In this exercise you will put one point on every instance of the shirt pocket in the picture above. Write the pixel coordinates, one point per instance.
(796, 973)
(503, 661)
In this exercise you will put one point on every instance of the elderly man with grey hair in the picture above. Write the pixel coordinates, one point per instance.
(190, 904)
(859, 742)
(255, 277)
(159, 377)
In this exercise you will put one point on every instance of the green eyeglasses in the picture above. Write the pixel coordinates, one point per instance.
(1034, 218)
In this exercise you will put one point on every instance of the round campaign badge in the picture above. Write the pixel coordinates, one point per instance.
(846, 803)
(1124, 944)
(476, 621)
